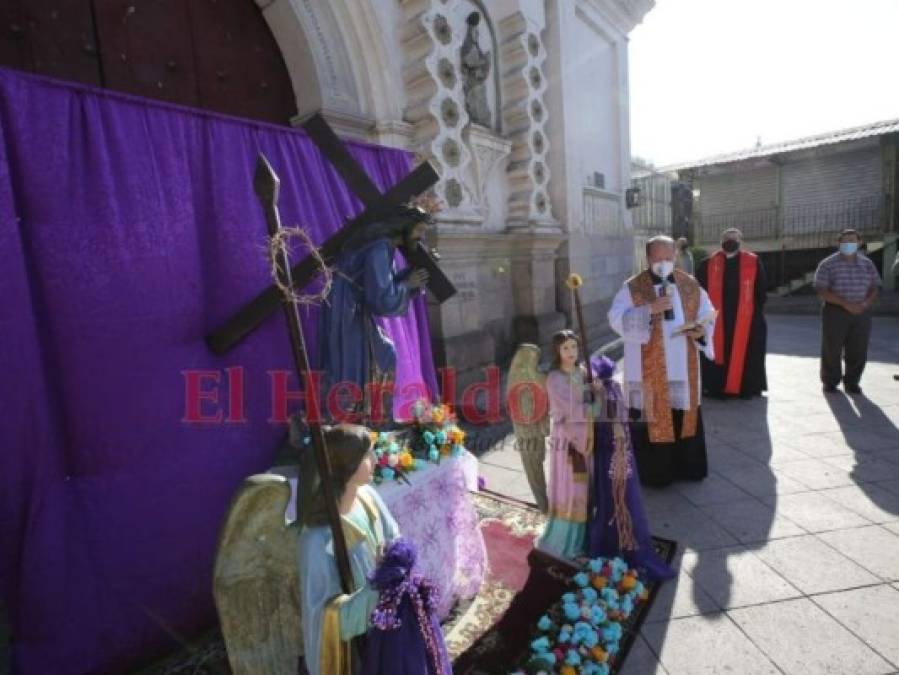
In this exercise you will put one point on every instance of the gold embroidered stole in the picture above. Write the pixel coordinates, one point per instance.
(335, 653)
(656, 401)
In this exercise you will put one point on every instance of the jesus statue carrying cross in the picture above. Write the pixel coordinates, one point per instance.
(356, 354)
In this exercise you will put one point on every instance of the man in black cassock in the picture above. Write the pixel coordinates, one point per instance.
(736, 283)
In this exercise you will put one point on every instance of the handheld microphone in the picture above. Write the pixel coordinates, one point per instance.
(669, 313)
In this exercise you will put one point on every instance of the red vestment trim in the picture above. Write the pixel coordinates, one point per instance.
(745, 310)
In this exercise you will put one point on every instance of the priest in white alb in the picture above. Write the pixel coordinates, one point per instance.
(665, 318)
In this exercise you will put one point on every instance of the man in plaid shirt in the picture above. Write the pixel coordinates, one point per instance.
(847, 282)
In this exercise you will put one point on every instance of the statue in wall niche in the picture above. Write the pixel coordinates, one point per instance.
(475, 71)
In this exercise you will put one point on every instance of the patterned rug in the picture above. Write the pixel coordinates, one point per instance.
(480, 633)
(492, 633)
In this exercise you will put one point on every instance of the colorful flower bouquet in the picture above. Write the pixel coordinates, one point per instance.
(434, 432)
(432, 435)
(581, 633)
(392, 460)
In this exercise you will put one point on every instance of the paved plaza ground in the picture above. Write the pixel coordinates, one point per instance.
(789, 550)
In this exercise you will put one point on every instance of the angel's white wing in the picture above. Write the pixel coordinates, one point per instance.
(256, 583)
(529, 412)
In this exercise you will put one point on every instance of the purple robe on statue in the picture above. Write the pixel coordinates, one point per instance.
(604, 532)
(365, 285)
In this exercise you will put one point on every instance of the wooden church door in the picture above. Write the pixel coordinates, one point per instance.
(213, 54)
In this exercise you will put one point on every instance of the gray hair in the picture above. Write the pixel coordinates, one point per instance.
(658, 239)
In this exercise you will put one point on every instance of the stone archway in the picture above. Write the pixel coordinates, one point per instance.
(337, 56)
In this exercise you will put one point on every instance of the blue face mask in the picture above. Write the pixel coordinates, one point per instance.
(848, 247)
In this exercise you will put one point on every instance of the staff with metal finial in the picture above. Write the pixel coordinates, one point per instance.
(574, 282)
(266, 185)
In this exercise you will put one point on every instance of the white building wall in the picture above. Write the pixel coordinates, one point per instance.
(589, 132)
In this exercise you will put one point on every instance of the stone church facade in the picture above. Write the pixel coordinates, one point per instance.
(521, 105)
(524, 114)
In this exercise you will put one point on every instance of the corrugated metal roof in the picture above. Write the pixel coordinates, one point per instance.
(829, 138)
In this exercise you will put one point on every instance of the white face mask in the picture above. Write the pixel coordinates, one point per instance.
(662, 268)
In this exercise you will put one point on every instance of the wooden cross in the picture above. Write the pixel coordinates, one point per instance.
(266, 186)
(377, 207)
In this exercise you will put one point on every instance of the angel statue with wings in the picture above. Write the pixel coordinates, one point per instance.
(278, 591)
(594, 505)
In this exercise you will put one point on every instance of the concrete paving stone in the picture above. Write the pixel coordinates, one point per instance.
(713, 490)
(871, 501)
(751, 521)
(782, 453)
(890, 455)
(508, 458)
(690, 527)
(705, 645)
(871, 613)
(737, 435)
(641, 661)
(736, 577)
(820, 445)
(503, 480)
(664, 500)
(802, 639)
(766, 450)
(817, 422)
(801, 406)
(869, 439)
(875, 548)
(761, 481)
(680, 597)
(814, 512)
(864, 468)
(727, 458)
(812, 566)
(816, 474)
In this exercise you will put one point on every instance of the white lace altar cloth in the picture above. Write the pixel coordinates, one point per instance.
(436, 513)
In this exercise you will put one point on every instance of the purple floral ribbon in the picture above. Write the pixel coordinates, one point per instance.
(621, 467)
(394, 581)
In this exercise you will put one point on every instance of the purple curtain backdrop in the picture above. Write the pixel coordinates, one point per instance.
(129, 230)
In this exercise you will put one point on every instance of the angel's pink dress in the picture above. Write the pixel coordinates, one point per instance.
(565, 534)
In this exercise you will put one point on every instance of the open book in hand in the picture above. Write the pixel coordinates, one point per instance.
(702, 321)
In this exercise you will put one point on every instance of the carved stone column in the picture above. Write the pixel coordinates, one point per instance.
(533, 271)
(435, 108)
(524, 116)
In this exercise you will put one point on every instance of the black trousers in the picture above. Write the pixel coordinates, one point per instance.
(660, 464)
(843, 335)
